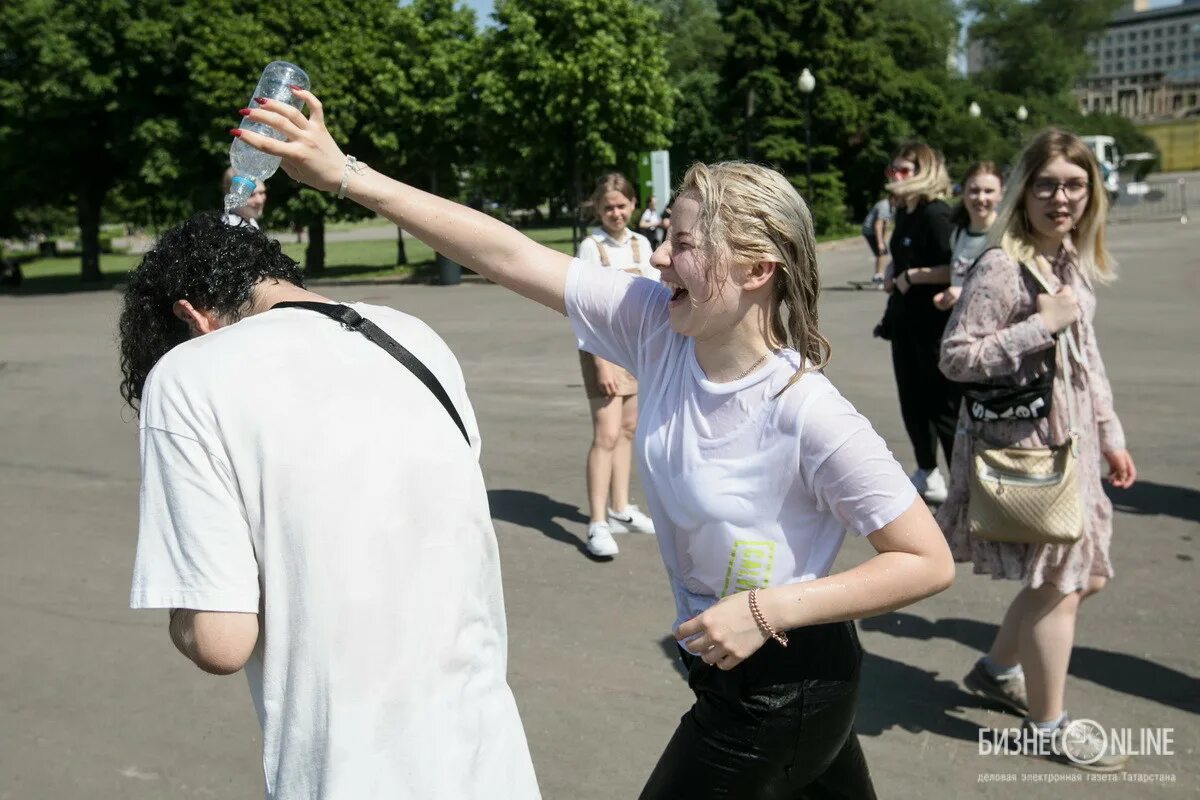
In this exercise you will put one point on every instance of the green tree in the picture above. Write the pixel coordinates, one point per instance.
(1038, 45)
(857, 106)
(426, 127)
(699, 131)
(563, 94)
(344, 47)
(91, 98)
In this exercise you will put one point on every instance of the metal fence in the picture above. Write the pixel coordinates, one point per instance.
(1162, 198)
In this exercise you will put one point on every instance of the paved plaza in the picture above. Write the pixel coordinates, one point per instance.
(95, 702)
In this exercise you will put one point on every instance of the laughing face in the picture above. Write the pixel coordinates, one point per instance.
(1056, 199)
(981, 194)
(701, 304)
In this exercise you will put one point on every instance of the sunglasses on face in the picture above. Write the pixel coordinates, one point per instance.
(1046, 189)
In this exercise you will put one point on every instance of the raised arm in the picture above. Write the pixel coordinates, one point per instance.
(473, 239)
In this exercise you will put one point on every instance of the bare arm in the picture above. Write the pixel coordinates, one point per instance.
(218, 642)
(473, 239)
(912, 562)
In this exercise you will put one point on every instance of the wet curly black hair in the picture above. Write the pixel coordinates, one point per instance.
(210, 264)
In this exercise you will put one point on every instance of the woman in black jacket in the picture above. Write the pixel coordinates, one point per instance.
(920, 247)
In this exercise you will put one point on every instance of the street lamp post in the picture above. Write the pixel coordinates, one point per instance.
(806, 84)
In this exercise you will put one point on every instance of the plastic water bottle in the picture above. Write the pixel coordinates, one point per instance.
(250, 165)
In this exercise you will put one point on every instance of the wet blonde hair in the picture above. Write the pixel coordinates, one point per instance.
(929, 182)
(1016, 236)
(749, 213)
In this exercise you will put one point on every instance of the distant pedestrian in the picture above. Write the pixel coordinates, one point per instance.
(252, 212)
(972, 219)
(612, 390)
(920, 249)
(650, 224)
(1004, 331)
(875, 231)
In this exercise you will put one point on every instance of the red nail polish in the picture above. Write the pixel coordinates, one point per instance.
(262, 101)
(245, 112)
(294, 87)
(235, 131)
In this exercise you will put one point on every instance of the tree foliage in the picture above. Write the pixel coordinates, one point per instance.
(567, 89)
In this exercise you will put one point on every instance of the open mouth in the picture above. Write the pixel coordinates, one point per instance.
(677, 291)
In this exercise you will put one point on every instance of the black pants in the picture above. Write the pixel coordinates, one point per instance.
(928, 400)
(779, 726)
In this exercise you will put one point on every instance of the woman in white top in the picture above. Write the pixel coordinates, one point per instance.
(754, 464)
(612, 390)
(982, 188)
(650, 225)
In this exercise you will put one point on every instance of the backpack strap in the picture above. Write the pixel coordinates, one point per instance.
(354, 321)
(604, 260)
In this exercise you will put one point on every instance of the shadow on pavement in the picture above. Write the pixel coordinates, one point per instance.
(1145, 497)
(537, 511)
(1120, 672)
(896, 695)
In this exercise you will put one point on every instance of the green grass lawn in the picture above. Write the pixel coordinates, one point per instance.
(357, 260)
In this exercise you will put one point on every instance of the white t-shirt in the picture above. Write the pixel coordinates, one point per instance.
(745, 491)
(967, 246)
(231, 218)
(291, 462)
(620, 254)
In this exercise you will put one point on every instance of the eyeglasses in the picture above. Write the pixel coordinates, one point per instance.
(1047, 189)
(898, 172)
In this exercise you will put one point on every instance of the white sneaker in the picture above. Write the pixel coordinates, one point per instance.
(600, 541)
(631, 520)
(930, 486)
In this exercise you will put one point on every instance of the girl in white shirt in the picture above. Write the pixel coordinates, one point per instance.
(982, 189)
(754, 465)
(612, 390)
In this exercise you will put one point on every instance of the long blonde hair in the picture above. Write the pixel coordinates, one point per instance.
(929, 182)
(1012, 230)
(749, 213)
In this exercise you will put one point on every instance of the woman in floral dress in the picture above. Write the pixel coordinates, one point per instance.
(1002, 331)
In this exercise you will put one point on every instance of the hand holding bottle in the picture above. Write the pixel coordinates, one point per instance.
(309, 154)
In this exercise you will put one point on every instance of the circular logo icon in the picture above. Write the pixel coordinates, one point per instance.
(1084, 741)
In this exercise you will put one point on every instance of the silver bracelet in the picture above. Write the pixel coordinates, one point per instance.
(352, 165)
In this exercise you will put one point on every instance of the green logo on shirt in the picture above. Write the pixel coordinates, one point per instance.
(749, 566)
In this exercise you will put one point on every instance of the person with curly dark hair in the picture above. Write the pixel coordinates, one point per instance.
(311, 512)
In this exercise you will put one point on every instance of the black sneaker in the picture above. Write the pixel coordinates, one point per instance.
(1008, 692)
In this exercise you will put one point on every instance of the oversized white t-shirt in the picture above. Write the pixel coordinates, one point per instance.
(290, 462)
(746, 491)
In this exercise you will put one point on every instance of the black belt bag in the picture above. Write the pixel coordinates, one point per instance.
(989, 403)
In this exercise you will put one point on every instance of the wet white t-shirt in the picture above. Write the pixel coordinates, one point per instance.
(291, 462)
(746, 491)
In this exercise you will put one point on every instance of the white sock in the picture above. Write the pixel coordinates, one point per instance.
(1046, 727)
(1000, 672)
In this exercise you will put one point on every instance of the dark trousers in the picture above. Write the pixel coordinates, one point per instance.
(928, 400)
(779, 726)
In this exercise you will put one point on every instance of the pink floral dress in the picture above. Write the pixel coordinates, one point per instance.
(994, 335)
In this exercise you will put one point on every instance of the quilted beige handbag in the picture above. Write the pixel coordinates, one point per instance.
(1029, 495)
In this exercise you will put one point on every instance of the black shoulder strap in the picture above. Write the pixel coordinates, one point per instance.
(355, 321)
